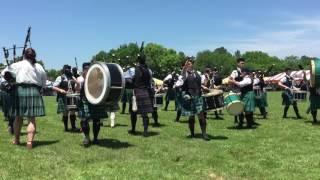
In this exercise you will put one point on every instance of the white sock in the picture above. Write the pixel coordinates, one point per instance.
(112, 118)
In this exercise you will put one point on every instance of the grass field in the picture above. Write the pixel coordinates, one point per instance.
(277, 149)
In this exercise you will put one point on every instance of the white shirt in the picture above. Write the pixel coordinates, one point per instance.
(256, 81)
(80, 79)
(27, 73)
(234, 73)
(168, 77)
(129, 73)
(246, 81)
(179, 82)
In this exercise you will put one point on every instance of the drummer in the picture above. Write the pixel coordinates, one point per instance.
(287, 83)
(247, 97)
(193, 101)
(65, 84)
(261, 102)
(236, 75)
(169, 81)
(178, 89)
(88, 111)
(127, 95)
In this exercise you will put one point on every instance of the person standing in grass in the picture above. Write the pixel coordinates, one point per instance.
(30, 78)
(88, 111)
(193, 101)
(287, 83)
(247, 97)
(261, 102)
(169, 81)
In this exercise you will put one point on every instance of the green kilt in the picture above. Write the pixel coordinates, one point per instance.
(192, 106)
(287, 98)
(170, 95)
(89, 111)
(127, 96)
(7, 101)
(248, 100)
(28, 101)
(262, 102)
(314, 102)
(62, 107)
(179, 99)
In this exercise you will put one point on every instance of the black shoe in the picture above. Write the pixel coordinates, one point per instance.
(95, 141)
(156, 125)
(191, 136)
(299, 117)
(205, 137)
(145, 133)
(256, 124)
(284, 116)
(132, 132)
(219, 118)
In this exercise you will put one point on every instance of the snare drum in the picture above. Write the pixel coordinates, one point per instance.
(158, 100)
(213, 101)
(104, 83)
(72, 101)
(234, 104)
(299, 95)
(257, 92)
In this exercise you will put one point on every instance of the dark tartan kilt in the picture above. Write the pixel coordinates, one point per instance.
(7, 100)
(287, 98)
(170, 95)
(193, 106)
(314, 102)
(179, 99)
(262, 102)
(249, 101)
(62, 105)
(127, 96)
(112, 107)
(89, 111)
(144, 101)
(28, 101)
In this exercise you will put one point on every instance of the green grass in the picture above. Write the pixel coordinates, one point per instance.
(277, 149)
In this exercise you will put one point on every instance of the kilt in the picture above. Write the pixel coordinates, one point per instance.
(7, 101)
(89, 111)
(193, 106)
(179, 99)
(314, 102)
(262, 102)
(287, 98)
(112, 107)
(127, 96)
(62, 105)
(28, 101)
(170, 95)
(144, 101)
(249, 101)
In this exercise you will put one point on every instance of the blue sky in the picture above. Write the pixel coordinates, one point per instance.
(62, 30)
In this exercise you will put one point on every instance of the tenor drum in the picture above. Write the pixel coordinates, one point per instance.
(104, 83)
(299, 95)
(315, 73)
(158, 100)
(233, 104)
(72, 101)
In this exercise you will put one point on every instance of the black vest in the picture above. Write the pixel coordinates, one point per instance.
(238, 78)
(288, 82)
(247, 88)
(142, 77)
(192, 83)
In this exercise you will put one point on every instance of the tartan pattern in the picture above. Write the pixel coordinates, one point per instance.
(287, 98)
(28, 102)
(193, 106)
(144, 101)
(249, 101)
(170, 95)
(262, 102)
(89, 111)
(179, 99)
(314, 101)
(61, 105)
(7, 100)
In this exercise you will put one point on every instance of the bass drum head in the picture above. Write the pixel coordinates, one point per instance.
(97, 83)
(235, 108)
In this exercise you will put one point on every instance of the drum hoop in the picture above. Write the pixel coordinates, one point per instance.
(123, 82)
(313, 73)
(105, 90)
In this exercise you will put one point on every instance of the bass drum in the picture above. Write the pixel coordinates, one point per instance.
(104, 83)
(315, 73)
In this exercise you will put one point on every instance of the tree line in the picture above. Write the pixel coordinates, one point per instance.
(164, 60)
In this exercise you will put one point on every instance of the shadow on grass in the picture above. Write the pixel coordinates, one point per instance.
(199, 136)
(158, 125)
(37, 144)
(150, 133)
(313, 123)
(241, 128)
(113, 143)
